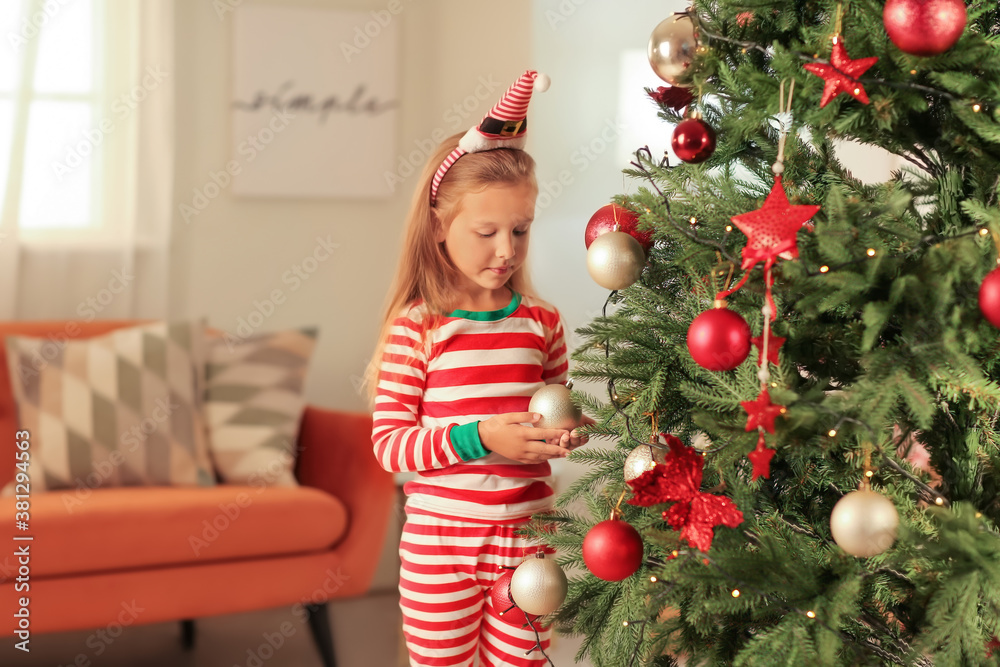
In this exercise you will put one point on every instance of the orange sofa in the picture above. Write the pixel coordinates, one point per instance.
(155, 554)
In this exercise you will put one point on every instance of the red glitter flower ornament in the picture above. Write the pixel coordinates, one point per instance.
(678, 480)
(675, 97)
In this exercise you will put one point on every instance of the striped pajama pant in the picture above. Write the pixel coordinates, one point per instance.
(448, 570)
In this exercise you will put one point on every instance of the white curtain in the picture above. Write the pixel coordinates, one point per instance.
(120, 267)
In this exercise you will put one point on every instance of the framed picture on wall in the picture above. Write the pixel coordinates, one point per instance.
(314, 102)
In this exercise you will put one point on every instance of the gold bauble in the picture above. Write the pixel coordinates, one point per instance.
(615, 260)
(539, 585)
(671, 48)
(641, 459)
(864, 523)
(555, 404)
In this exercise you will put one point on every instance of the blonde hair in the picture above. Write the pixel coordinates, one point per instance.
(425, 272)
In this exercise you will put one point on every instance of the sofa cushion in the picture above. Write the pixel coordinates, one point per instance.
(111, 529)
(254, 404)
(120, 409)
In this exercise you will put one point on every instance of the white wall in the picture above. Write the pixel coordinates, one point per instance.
(579, 137)
(237, 250)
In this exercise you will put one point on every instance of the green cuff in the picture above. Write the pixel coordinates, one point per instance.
(465, 440)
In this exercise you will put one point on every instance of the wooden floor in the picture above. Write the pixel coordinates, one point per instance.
(365, 631)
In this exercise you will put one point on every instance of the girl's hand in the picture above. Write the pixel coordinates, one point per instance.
(573, 439)
(505, 435)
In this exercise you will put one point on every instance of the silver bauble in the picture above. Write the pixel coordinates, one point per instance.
(671, 48)
(539, 585)
(554, 403)
(643, 458)
(615, 260)
(864, 523)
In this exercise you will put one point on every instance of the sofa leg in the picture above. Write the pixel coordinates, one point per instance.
(319, 623)
(187, 633)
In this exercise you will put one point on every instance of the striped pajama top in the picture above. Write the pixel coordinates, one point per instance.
(431, 397)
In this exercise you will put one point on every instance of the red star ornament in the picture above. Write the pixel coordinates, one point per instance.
(841, 75)
(771, 230)
(773, 345)
(761, 459)
(761, 412)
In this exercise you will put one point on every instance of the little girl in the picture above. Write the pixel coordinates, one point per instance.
(463, 347)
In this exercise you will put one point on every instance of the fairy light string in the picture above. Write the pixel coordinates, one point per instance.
(644, 156)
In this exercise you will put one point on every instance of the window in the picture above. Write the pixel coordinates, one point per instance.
(62, 143)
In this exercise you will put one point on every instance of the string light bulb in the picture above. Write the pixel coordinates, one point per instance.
(977, 107)
(653, 579)
(736, 592)
(939, 501)
(824, 268)
(811, 614)
(693, 220)
(871, 252)
(984, 232)
(869, 473)
(832, 433)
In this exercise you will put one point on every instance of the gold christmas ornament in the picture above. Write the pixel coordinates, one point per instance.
(554, 403)
(671, 48)
(864, 523)
(539, 585)
(641, 459)
(615, 260)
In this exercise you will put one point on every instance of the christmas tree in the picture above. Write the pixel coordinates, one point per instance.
(794, 341)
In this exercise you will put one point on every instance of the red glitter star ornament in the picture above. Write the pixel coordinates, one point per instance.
(774, 344)
(761, 459)
(771, 230)
(761, 412)
(841, 75)
(678, 480)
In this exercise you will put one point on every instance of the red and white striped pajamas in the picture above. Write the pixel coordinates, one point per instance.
(438, 380)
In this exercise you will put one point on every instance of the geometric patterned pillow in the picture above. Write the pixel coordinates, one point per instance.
(120, 409)
(254, 404)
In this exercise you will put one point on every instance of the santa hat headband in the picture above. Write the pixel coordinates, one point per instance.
(503, 127)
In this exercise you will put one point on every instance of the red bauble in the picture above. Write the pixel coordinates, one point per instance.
(612, 550)
(924, 27)
(606, 217)
(989, 297)
(503, 603)
(693, 140)
(719, 339)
